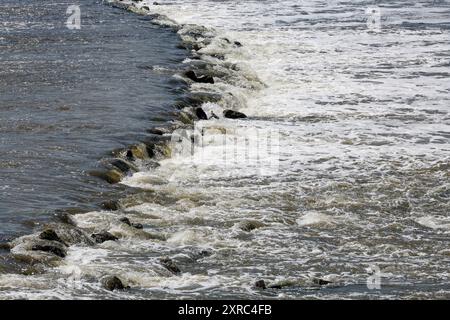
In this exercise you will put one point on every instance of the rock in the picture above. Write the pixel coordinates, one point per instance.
(204, 253)
(283, 284)
(238, 44)
(125, 220)
(199, 254)
(275, 286)
(202, 79)
(50, 234)
(70, 235)
(123, 165)
(112, 283)
(250, 225)
(134, 225)
(5, 245)
(112, 205)
(231, 114)
(103, 236)
(137, 225)
(151, 165)
(158, 150)
(170, 265)
(129, 155)
(137, 152)
(321, 282)
(146, 8)
(155, 131)
(112, 176)
(201, 114)
(260, 284)
(50, 248)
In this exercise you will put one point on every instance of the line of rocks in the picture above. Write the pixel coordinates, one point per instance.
(50, 245)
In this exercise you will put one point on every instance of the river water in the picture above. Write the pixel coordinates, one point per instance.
(361, 189)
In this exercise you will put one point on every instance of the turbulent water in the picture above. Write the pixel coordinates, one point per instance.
(362, 179)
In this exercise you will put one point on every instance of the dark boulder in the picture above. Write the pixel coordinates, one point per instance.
(137, 225)
(112, 283)
(155, 131)
(260, 284)
(112, 205)
(129, 155)
(125, 220)
(202, 79)
(231, 114)
(70, 234)
(201, 114)
(321, 282)
(50, 234)
(123, 165)
(250, 225)
(168, 263)
(238, 44)
(103, 236)
(51, 249)
(129, 223)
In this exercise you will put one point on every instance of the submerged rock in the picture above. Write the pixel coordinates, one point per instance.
(155, 131)
(5, 245)
(137, 225)
(250, 225)
(283, 284)
(321, 282)
(128, 222)
(56, 250)
(231, 114)
(202, 79)
(103, 236)
(112, 283)
(112, 205)
(168, 263)
(260, 284)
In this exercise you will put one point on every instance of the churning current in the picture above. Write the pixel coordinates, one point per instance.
(357, 206)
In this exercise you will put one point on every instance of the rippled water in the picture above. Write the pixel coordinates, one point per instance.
(69, 97)
(363, 179)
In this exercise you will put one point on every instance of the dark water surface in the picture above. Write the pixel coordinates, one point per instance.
(68, 97)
